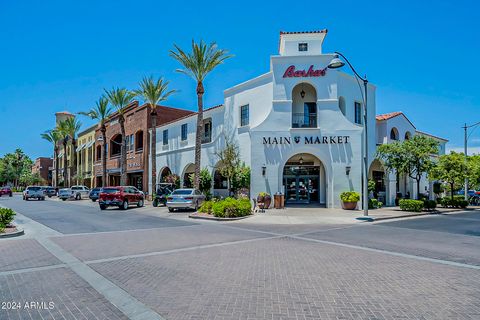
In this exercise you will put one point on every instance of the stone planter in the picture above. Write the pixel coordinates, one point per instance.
(349, 205)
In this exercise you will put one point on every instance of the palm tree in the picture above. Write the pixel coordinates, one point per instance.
(198, 64)
(53, 137)
(73, 126)
(121, 98)
(63, 136)
(153, 92)
(101, 112)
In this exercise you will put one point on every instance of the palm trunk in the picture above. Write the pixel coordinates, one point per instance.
(104, 156)
(73, 167)
(55, 150)
(123, 154)
(153, 151)
(199, 134)
(65, 174)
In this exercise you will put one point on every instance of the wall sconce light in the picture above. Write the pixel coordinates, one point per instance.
(347, 170)
(300, 160)
(302, 93)
(264, 170)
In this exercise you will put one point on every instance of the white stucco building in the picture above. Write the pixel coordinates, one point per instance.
(299, 127)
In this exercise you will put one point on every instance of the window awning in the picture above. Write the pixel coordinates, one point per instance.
(89, 144)
(79, 148)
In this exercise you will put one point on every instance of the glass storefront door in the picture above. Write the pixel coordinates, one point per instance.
(301, 184)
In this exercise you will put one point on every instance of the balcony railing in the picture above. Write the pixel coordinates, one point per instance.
(304, 120)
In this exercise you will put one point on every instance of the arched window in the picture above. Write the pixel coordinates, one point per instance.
(341, 105)
(408, 135)
(116, 145)
(394, 134)
(304, 106)
(139, 140)
(99, 153)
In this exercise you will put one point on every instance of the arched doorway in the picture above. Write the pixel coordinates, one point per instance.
(304, 106)
(304, 180)
(164, 173)
(189, 170)
(377, 174)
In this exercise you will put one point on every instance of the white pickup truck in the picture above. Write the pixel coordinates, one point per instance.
(75, 192)
(34, 192)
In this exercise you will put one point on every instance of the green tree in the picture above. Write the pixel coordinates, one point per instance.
(101, 112)
(229, 161)
(205, 180)
(13, 165)
(241, 178)
(452, 169)
(473, 163)
(53, 137)
(153, 92)
(198, 64)
(121, 98)
(412, 157)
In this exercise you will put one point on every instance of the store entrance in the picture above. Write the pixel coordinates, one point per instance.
(303, 180)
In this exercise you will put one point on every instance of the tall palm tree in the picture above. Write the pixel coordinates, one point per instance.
(53, 137)
(63, 135)
(198, 64)
(101, 112)
(153, 92)
(121, 98)
(73, 126)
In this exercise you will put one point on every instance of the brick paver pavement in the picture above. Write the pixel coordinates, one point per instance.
(24, 253)
(286, 278)
(64, 296)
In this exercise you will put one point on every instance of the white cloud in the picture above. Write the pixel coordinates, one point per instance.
(471, 150)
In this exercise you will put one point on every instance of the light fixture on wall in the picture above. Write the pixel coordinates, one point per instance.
(302, 93)
(264, 170)
(347, 170)
(300, 160)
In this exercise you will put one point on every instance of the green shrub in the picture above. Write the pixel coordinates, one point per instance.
(2, 227)
(231, 207)
(350, 196)
(6, 216)
(411, 205)
(206, 207)
(429, 204)
(439, 200)
(374, 204)
(454, 203)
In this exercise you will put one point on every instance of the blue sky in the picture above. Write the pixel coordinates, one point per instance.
(59, 55)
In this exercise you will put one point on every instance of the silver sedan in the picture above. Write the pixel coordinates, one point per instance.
(185, 199)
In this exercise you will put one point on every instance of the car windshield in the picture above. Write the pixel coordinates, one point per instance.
(96, 189)
(111, 190)
(34, 188)
(182, 192)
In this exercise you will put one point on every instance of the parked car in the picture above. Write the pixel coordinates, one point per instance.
(34, 192)
(185, 199)
(66, 193)
(50, 191)
(80, 192)
(94, 194)
(6, 191)
(121, 197)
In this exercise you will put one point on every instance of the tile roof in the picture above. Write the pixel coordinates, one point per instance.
(431, 135)
(301, 32)
(386, 116)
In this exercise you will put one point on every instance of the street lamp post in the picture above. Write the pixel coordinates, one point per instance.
(465, 128)
(338, 63)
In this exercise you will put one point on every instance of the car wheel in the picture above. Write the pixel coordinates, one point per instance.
(140, 203)
(170, 209)
(49, 197)
(103, 207)
(93, 200)
(43, 198)
(155, 203)
(124, 205)
(63, 199)
(78, 197)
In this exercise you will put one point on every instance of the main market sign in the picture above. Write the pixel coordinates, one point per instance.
(292, 72)
(306, 140)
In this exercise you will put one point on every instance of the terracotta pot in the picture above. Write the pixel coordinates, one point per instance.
(349, 205)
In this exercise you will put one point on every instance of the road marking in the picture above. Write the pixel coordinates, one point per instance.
(33, 269)
(392, 253)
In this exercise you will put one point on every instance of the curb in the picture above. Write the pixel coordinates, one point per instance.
(17, 233)
(193, 216)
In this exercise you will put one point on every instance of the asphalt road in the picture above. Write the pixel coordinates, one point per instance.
(84, 216)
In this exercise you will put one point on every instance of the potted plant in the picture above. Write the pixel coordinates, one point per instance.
(349, 200)
(264, 198)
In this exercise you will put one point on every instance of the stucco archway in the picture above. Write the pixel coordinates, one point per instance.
(187, 171)
(304, 106)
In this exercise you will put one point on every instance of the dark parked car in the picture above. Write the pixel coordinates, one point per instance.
(94, 194)
(6, 191)
(121, 197)
(50, 191)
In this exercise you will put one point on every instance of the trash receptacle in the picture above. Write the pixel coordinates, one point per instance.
(278, 199)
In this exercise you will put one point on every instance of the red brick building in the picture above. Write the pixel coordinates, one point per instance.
(137, 125)
(44, 167)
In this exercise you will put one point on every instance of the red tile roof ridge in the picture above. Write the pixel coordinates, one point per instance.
(189, 115)
(387, 116)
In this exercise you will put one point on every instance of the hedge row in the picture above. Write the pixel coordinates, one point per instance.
(411, 205)
(227, 208)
